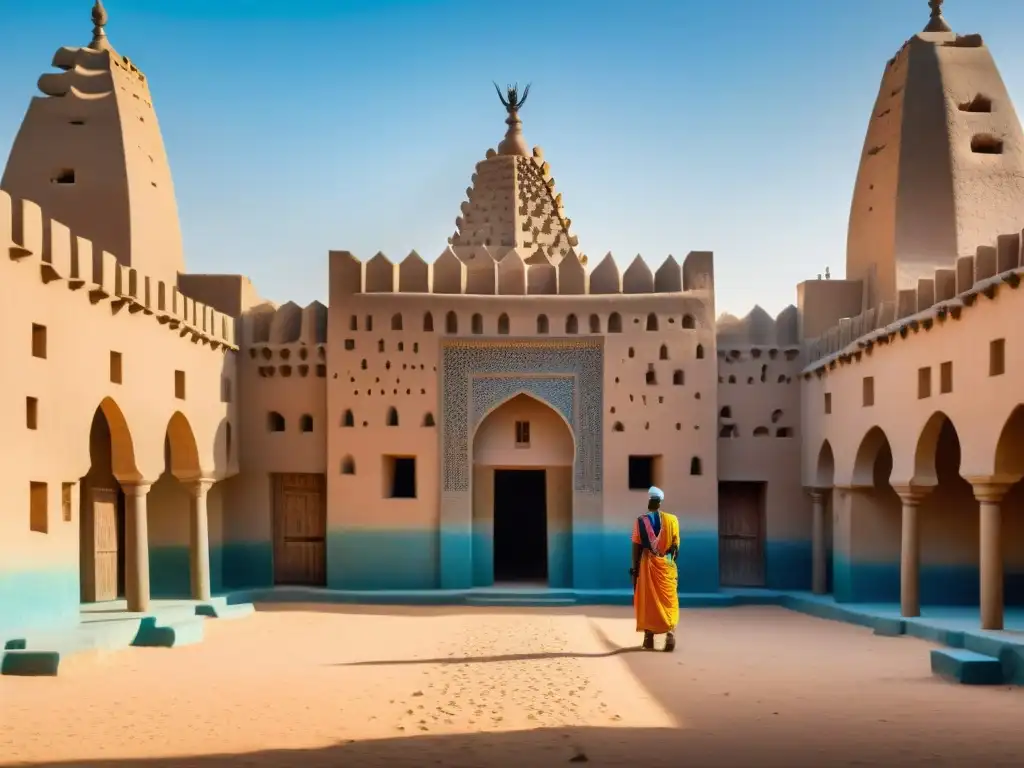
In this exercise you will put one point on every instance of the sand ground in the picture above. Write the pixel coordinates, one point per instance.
(361, 686)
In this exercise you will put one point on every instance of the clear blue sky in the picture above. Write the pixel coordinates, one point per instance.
(297, 126)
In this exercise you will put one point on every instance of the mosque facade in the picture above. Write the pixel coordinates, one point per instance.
(496, 413)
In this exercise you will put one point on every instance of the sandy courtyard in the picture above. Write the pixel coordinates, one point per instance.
(359, 686)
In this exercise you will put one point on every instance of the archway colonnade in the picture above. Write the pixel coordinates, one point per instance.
(936, 537)
(114, 509)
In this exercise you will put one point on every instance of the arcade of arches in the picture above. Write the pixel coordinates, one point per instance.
(940, 539)
(118, 507)
(523, 453)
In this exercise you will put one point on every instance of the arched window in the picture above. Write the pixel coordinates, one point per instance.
(572, 325)
(617, 427)
(305, 423)
(428, 420)
(275, 422)
(428, 322)
(695, 466)
(595, 323)
(614, 323)
(678, 378)
(542, 323)
(348, 466)
(451, 323)
(689, 322)
(700, 356)
(663, 353)
(348, 419)
(477, 324)
(396, 321)
(392, 417)
(652, 322)
(503, 324)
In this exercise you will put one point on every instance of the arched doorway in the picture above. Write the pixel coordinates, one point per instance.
(102, 507)
(176, 568)
(1009, 463)
(866, 565)
(948, 518)
(523, 453)
(821, 535)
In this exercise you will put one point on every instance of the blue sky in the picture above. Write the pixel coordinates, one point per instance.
(299, 126)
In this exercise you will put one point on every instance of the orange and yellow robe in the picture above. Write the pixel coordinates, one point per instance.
(656, 598)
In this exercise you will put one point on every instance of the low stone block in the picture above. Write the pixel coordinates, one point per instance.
(967, 667)
(170, 634)
(30, 663)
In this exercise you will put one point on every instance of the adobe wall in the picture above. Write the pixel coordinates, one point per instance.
(388, 327)
(889, 392)
(90, 306)
(282, 372)
(759, 434)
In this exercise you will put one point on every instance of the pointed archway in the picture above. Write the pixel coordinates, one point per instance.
(104, 562)
(523, 453)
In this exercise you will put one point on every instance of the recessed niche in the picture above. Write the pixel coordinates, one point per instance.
(305, 423)
(978, 104)
(986, 144)
(64, 176)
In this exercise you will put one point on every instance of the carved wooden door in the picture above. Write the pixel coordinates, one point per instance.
(104, 541)
(300, 529)
(741, 534)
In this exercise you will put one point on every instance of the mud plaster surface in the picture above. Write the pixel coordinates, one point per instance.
(358, 686)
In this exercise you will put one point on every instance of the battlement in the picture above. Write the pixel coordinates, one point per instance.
(934, 299)
(758, 328)
(288, 340)
(500, 271)
(32, 238)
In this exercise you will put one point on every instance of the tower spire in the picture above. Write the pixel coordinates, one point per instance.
(99, 21)
(937, 23)
(513, 143)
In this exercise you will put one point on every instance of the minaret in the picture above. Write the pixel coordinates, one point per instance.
(90, 153)
(513, 203)
(942, 169)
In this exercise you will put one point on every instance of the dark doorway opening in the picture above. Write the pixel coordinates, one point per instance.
(520, 525)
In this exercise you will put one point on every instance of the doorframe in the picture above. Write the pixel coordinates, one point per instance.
(546, 472)
(762, 531)
(277, 507)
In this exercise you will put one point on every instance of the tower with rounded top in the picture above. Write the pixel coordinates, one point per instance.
(942, 167)
(90, 153)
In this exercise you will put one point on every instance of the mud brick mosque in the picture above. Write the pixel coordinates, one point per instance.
(496, 413)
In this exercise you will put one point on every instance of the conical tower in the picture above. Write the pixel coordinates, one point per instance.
(90, 153)
(512, 202)
(942, 169)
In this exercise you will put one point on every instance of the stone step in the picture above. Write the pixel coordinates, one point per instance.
(160, 633)
(523, 601)
(967, 667)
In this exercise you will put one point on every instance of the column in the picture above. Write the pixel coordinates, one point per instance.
(819, 559)
(990, 496)
(136, 556)
(910, 551)
(199, 538)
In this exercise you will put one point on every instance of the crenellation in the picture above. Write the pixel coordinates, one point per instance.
(945, 284)
(669, 277)
(413, 274)
(543, 279)
(572, 275)
(1007, 252)
(985, 263)
(511, 274)
(699, 271)
(925, 294)
(381, 275)
(605, 278)
(638, 277)
(906, 303)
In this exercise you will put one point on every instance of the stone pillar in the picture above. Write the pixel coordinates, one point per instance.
(136, 536)
(990, 496)
(910, 551)
(819, 554)
(199, 538)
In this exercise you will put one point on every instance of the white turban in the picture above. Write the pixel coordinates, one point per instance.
(656, 493)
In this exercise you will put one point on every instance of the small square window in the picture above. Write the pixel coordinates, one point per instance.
(946, 378)
(32, 412)
(116, 373)
(39, 341)
(997, 357)
(868, 391)
(400, 477)
(828, 403)
(38, 508)
(924, 383)
(179, 385)
(643, 472)
(522, 434)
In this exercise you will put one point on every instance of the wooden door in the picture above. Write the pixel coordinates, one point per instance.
(103, 529)
(300, 529)
(741, 534)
